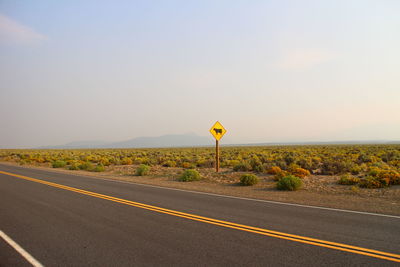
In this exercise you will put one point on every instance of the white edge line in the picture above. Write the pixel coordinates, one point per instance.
(225, 196)
(20, 250)
(252, 199)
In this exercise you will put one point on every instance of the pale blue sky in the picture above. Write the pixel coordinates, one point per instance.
(270, 71)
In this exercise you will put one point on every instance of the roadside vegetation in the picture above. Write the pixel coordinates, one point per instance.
(362, 166)
(142, 170)
(289, 182)
(248, 179)
(190, 175)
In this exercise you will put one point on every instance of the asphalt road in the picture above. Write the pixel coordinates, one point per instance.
(60, 226)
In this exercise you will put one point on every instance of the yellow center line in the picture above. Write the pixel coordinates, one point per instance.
(246, 228)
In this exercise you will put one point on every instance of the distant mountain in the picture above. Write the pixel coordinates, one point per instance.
(79, 144)
(351, 142)
(170, 140)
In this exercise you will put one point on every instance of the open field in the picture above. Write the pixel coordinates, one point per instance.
(369, 174)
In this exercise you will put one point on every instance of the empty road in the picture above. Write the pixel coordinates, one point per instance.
(69, 220)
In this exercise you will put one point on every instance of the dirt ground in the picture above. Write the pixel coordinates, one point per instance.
(323, 191)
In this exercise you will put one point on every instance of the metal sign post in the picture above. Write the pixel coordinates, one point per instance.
(217, 131)
(216, 155)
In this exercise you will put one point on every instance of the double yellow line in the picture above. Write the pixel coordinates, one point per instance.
(246, 228)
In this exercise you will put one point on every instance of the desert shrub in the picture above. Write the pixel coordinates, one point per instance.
(190, 175)
(74, 166)
(395, 180)
(364, 158)
(205, 163)
(305, 163)
(232, 163)
(258, 168)
(99, 168)
(289, 157)
(267, 165)
(281, 164)
(139, 160)
(387, 177)
(126, 161)
(395, 163)
(391, 156)
(200, 162)
(105, 161)
(248, 179)
(169, 163)
(87, 166)
(289, 182)
(373, 171)
(115, 161)
(187, 165)
(274, 170)
(300, 172)
(316, 162)
(371, 182)
(348, 179)
(23, 156)
(40, 160)
(142, 170)
(256, 164)
(292, 167)
(243, 166)
(385, 181)
(280, 175)
(380, 165)
(144, 160)
(336, 166)
(58, 164)
(356, 169)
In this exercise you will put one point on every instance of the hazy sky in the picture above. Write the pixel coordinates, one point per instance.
(269, 71)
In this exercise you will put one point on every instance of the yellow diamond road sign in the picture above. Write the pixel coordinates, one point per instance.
(217, 130)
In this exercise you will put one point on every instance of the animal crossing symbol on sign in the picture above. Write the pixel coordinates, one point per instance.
(217, 130)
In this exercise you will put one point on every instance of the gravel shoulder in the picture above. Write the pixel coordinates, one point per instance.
(322, 191)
